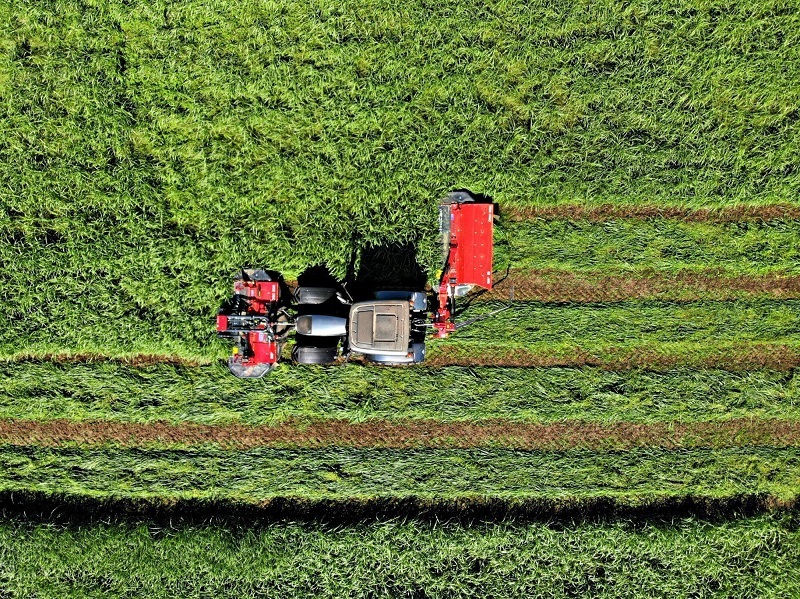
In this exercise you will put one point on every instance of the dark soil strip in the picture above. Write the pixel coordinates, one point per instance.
(168, 513)
(406, 434)
(734, 359)
(570, 287)
(611, 211)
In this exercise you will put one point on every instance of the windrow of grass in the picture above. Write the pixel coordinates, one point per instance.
(210, 395)
(404, 434)
(741, 558)
(350, 474)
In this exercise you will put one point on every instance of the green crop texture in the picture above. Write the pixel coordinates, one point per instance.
(664, 246)
(342, 474)
(149, 150)
(742, 558)
(209, 395)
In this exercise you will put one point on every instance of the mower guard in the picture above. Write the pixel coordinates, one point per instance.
(466, 226)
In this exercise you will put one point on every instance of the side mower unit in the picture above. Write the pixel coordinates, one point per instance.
(385, 326)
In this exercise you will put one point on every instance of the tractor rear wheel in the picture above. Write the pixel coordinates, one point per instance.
(314, 355)
(313, 295)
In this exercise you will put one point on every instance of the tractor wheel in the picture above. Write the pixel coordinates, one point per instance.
(315, 350)
(313, 295)
(458, 197)
(314, 355)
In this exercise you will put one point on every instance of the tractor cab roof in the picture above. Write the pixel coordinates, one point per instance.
(380, 327)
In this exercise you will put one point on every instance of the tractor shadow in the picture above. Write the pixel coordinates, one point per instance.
(374, 267)
(388, 266)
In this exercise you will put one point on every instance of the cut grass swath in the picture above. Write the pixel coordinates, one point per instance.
(605, 212)
(209, 395)
(256, 475)
(405, 434)
(560, 286)
(547, 333)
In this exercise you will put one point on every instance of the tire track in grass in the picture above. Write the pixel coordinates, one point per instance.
(550, 285)
(604, 212)
(407, 434)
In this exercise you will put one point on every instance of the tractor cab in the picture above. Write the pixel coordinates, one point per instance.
(391, 329)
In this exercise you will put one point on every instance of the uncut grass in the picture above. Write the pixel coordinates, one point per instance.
(340, 473)
(150, 151)
(210, 395)
(740, 558)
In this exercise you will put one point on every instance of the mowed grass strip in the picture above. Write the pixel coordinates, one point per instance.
(728, 356)
(536, 325)
(210, 395)
(659, 246)
(403, 558)
(605, 212)
(255, 475)
(399, 434)
(560, 286)
(731, 356)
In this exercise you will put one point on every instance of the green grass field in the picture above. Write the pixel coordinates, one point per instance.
(209, 395)
(150, 150)
(687, 558)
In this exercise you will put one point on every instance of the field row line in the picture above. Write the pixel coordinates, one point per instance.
(406, 434)
(738, 357)
(734, 358)
(550, 285)
(604, 212)
(566, 286)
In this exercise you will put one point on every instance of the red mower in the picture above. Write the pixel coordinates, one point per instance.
(386, 326)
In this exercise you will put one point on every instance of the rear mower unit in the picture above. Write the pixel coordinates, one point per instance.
(386, 326)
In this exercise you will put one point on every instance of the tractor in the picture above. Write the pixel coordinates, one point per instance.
(386, 326)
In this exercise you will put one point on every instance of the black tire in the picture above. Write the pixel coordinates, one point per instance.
(314, 355)
(313, 295)
(254, 274)
(458, 197)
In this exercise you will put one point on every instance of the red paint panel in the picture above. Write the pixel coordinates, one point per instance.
(222, 323)
(471, 227)
(264, 351)
(267, 291)
(264, 291)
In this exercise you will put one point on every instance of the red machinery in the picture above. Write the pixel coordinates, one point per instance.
(387, 326)
(466, 227)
